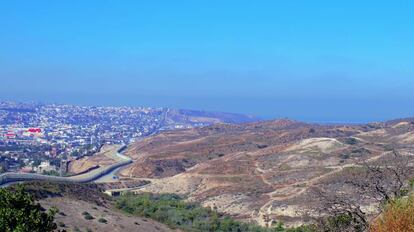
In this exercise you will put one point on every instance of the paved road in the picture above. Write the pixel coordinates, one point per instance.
(10, 177)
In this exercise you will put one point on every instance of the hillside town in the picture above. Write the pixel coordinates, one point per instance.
(37, 137)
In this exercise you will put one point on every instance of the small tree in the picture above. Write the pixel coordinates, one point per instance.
(387, 180)
(19, 213)
(382, 181)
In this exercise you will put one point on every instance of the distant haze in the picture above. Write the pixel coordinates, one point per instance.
(320, 61)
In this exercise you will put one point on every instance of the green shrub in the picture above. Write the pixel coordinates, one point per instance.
(171, 210)
(87, 216)
(351, 141)
(19, 212)
(102, 220)
(51, 173)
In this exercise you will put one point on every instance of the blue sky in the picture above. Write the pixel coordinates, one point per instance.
(325, 61)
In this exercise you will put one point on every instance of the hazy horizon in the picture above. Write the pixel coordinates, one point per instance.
(303, 119)
(316, 61)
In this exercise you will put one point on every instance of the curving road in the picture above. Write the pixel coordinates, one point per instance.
(11, 177)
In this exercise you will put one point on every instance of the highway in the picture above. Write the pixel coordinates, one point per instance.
(11, 177)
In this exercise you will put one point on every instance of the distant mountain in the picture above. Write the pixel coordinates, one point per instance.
(206, 117)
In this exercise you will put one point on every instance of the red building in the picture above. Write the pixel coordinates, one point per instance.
(34, 130)
(10, 135)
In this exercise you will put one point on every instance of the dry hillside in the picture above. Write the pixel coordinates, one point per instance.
(264, 171)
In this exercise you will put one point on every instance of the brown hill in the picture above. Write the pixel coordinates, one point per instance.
(74, 201)
(102, 158)
(263, 171)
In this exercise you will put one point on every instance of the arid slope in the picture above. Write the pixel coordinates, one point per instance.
(263, 171)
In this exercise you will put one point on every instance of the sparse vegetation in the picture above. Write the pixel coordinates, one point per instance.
(102, 220)
(388, 183)
(62, 213)
(351, 141)
(173, 211)
(261, 146)
(87, 216)
(284, 167)
(344, 156)
(51, 173)
(86, 192)
(345, 222)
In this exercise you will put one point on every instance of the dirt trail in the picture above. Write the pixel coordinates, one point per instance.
(266, 209)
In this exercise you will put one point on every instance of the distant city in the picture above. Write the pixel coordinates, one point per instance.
(43, 138)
